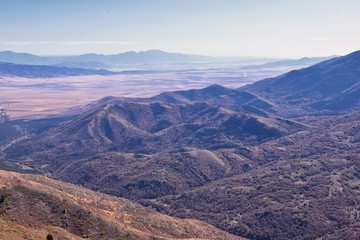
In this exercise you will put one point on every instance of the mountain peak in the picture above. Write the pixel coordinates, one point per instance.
(217, 86)
(154, 51)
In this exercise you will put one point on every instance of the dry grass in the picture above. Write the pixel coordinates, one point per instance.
(33, 205)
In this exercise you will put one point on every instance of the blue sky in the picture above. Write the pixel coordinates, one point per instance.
(269, 28)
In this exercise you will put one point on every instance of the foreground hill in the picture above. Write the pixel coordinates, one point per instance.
(31, 206)
(330, 87)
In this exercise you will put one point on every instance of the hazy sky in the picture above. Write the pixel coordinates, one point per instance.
(271, 28)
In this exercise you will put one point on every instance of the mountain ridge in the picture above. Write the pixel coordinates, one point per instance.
(131, 57)
(315, 89)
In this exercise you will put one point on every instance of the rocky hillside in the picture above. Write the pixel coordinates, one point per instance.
(33, 206)
(302, 186)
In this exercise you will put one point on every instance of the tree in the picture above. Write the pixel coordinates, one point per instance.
(49, 237)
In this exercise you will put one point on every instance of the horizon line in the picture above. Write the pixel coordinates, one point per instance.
(169, 52)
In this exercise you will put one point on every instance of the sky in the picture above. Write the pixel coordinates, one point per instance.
(263, 28)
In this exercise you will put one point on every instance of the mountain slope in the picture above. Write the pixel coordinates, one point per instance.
(329, 87)
(8, 132)
(152, 127)
(152, 149)
(33, 205)
(304, 186)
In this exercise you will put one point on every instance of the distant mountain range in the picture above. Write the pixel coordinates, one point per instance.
(306, 61)
(147, 59)
(43, 71)
(92, 60)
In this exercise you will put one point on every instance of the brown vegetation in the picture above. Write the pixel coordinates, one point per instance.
(32, 206)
